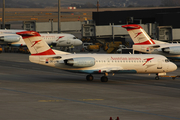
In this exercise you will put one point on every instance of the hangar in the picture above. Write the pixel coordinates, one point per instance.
(163, 17)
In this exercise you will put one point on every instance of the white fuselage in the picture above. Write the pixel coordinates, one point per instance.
(41, 53)
(124, 63)
(144, 43)
(59, 40)
(152, 49)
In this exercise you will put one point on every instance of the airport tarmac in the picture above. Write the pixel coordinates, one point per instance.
(30, 91)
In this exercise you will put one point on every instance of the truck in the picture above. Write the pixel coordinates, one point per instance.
(122, 49)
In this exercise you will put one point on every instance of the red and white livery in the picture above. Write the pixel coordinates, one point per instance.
(56, 39)
(143, 43)
(90, 64)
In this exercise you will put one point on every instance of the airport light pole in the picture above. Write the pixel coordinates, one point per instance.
(97, 5)
(59, 16)
(3, 15)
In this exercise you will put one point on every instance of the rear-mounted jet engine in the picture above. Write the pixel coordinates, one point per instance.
(80, 62)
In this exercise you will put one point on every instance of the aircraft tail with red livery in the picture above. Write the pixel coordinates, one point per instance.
(139, 35)
(36, 44)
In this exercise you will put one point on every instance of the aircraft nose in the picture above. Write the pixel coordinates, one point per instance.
(78, 42)
(173, 67)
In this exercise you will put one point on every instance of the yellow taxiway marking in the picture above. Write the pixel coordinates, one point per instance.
(91, 99)
(64, 100)
(51, 100)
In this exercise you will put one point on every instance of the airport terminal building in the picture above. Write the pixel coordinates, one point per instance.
(160, 23)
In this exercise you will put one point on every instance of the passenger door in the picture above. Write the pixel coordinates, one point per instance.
(159, 65)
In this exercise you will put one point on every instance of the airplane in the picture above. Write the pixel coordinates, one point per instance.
(143, 43)
(55, 39)
(90, 64)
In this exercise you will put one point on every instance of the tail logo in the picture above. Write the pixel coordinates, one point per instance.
(137, 34)
(35, 42)
(147, 60)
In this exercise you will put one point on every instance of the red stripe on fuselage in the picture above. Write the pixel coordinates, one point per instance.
(48, 52)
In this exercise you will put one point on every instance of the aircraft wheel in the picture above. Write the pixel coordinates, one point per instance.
(157, 78)
(89, 78)
(104, 79)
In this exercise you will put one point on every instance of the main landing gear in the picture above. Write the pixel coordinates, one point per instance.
(89, 77)
(103, 78)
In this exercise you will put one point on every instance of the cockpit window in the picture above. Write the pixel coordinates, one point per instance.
(166, 60)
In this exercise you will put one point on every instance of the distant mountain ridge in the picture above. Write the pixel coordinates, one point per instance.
(103, 3)
(42, 3)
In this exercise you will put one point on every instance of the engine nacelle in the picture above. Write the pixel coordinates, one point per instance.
(10, 38)
(80, 62)
(172, 50)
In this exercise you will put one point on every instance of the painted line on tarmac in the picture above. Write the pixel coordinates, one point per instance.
(91, 99)
(78, 101)
(51, 100)
(66, 100)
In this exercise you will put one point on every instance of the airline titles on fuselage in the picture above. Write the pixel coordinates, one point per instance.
(116, 59)
(124, 58)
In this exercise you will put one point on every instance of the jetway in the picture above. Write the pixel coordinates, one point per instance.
(44, 27)
(110, 32)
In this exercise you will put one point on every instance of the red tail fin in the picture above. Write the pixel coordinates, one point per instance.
(138, 35)
(35, 43)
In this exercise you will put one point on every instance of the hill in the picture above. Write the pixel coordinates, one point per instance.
(88, 3)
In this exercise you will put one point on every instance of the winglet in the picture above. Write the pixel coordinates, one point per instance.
(35, 43)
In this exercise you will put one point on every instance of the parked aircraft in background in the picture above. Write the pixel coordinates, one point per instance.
(58, 40)
(143, 43)
(90, 64)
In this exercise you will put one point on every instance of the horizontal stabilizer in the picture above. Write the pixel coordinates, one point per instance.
(132, 26)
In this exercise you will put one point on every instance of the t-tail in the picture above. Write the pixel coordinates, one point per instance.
(138, 35)
(36, 45)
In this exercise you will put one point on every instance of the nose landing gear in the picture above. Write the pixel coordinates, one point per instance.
(157, 77)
